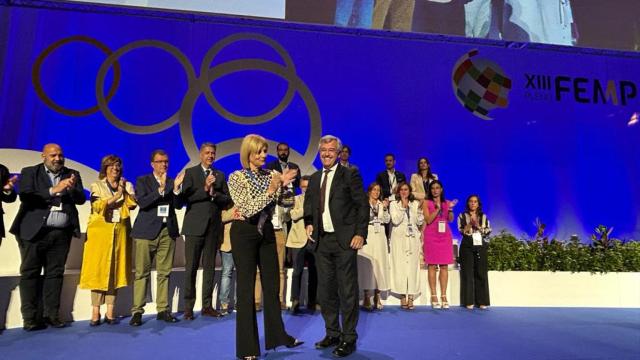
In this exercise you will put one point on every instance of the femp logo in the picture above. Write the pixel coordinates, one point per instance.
(480, 85)
(582, 90)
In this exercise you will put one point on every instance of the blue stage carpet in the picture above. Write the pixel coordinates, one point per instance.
(499, 333)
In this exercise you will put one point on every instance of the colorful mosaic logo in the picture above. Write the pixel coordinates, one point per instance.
(480, 85)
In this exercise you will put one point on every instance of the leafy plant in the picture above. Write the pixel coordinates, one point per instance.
(604, 254)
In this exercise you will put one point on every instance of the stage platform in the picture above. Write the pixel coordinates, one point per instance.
(497, 333)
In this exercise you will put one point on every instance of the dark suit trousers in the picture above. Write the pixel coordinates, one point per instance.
(48, 249)
(299, 257)
(474, 280)
(197, 247)
(251, 250)
(338, 287)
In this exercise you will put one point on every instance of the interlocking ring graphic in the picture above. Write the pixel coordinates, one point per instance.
(197, 86)
(37, 66)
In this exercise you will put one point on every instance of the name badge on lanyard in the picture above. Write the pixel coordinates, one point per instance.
(56, 204)
(163, 210)
(410, 230)
(442, 226)
(477, 238)
(376, 226)
(115, 216)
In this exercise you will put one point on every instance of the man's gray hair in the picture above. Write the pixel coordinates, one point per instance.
(329, 138)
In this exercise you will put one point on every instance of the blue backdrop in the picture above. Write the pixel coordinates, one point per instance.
(561, 147)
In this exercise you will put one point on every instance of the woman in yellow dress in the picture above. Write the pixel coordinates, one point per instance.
(106, 261)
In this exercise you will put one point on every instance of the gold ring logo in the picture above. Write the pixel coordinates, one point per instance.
(197, 86)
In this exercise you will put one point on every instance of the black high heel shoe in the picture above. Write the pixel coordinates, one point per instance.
(113, 321)
(95, 322)
(294, 344)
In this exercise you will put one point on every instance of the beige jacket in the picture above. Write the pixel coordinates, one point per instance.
(227, 220)
(417, 186)
(297, 237)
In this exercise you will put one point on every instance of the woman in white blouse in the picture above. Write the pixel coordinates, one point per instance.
(406, 218)
(373, 258)
(255, 192)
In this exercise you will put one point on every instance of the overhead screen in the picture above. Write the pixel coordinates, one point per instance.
(612, 24)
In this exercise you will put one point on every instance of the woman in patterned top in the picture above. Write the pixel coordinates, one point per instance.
(255, 192)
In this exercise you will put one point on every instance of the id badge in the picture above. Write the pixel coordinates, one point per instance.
(410, 231)
(376, 227)
(442, 226)
(115, 216)
(163, 210)
(477, 239)
(56, 205)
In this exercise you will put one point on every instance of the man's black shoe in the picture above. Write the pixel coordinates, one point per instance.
(136, 319)
(166, 317)
(32, 325)
(55, 322)
(344, 349)
(328, 341)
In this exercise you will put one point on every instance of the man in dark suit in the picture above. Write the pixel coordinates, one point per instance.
(336, 215)
(390, 178)
(7, 195)
(154, 233)
(45, 223)
(205, 193)
(283, 163)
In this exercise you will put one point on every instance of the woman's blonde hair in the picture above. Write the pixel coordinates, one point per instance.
(251, 144)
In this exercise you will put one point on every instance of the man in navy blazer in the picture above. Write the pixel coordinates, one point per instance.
(45, 223)
(7, 195)
(390, 177)
(205, 193)
(154, 233)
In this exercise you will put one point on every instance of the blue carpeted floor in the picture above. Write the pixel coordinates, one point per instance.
(499, 333)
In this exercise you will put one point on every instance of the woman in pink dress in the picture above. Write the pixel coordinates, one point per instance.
(438, 242)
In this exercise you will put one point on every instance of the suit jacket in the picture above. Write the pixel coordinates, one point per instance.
(383, 180)
(148, 224)
(275, 165)
(347, 204)
(202, 209)
(35, 202)
(8, 198)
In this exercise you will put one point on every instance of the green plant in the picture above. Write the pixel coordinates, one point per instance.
(604, 254)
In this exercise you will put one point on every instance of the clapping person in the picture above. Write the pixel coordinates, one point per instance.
(154, 232)
(422, 178)
(106, 261)
(373, 258)
(474, 227)
(205, 193)
(406, 218)
(43, 227)
(255, 192)
(438, 242)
